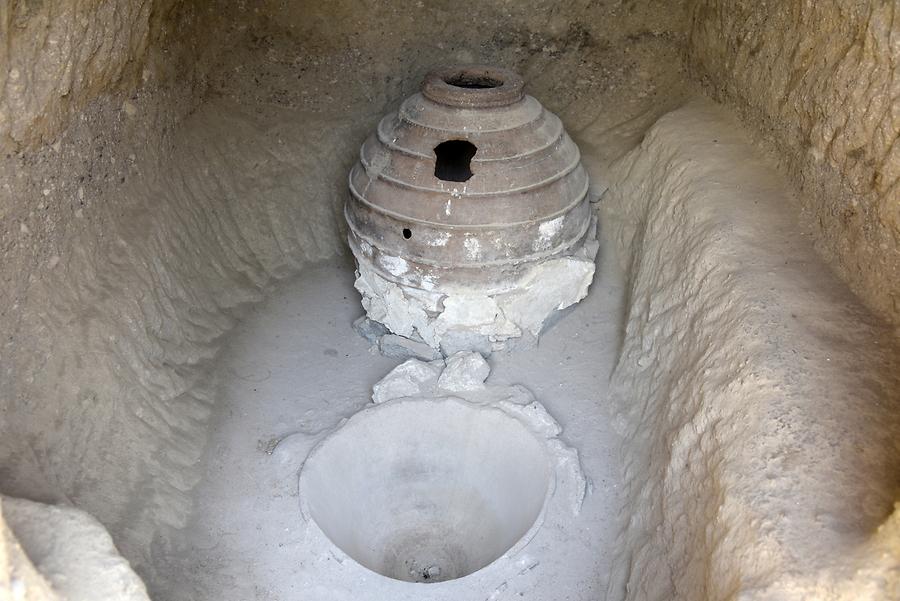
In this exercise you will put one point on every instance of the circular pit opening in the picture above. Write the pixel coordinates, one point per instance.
(427, 490)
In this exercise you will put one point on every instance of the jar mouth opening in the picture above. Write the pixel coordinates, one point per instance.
(472, 81)
(473, 86)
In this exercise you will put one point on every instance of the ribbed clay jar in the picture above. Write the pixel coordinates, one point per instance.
(469, 214)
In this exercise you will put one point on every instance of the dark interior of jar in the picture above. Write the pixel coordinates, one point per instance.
(472, 81)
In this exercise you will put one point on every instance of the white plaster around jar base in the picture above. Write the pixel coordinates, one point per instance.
(470, 318)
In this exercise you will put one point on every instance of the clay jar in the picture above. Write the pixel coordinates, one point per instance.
(461, 192)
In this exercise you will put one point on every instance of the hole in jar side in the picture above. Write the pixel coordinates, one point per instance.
(453, 162)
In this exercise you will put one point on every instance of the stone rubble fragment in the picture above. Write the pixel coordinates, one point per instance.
(399, 347)
(464, 371)
(369, 329)
(407, 379)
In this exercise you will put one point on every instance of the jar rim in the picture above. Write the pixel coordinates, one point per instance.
(473, 86)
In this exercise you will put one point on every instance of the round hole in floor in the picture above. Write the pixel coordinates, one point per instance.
(427, 490)
(407, 233)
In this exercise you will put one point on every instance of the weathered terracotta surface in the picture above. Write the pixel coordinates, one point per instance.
(525, 201)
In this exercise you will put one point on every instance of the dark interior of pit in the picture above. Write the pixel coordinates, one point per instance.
(177, 291)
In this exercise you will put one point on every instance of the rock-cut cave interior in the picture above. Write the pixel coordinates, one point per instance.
(441, 300)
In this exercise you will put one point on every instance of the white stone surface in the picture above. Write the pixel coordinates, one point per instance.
(464, 371)
(462, 492)
(441, 489)
(392, 345)
(758, 398)
(410, 378)
(552, 285)
(295, 369)
(73, 551)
